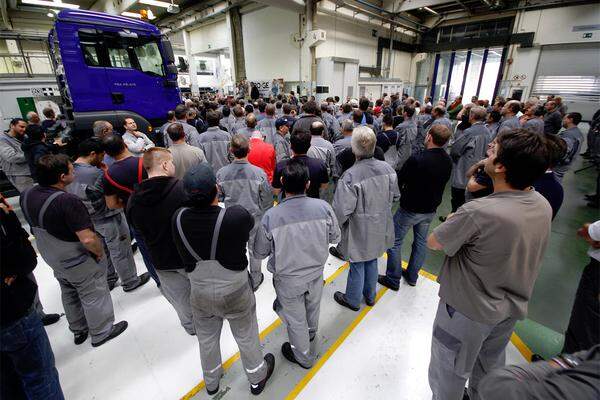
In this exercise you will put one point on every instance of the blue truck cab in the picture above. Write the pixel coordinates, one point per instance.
(110, 67)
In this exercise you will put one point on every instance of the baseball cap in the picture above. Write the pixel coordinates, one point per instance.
(281, 122)
(199, 181)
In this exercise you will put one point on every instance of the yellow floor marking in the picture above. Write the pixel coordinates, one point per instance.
(231, 360)
(323, 359)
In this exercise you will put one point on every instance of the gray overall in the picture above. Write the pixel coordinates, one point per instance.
(85, 295)
(218, 293)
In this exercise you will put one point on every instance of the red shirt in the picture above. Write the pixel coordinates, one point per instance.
(263, 156)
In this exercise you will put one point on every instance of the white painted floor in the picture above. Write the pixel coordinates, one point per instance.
(385, 356)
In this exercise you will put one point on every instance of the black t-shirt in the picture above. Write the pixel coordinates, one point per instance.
(317, 173)
(552, 190)
(123, 176)
(198, 224)
(66, 214)
(387, 139)
(432, 166)
(346, 158)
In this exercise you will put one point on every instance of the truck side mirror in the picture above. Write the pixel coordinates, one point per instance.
(167, 51)
(171, 69)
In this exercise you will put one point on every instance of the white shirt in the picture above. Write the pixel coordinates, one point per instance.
(594, 232)
(137, 145)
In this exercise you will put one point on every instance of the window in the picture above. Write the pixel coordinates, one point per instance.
(108, 49)
(119, 58)
(149, 58)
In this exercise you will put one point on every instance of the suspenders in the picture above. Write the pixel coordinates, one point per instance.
(140, 176)
(43, 210)
(214, 241)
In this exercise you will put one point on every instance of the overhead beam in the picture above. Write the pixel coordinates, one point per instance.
(297, 6)
(464, 6)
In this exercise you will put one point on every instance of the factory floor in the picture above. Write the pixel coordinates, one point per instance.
(379, 352)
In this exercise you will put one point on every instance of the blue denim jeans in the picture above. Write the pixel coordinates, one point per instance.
(145, 254)
(28, 370)
(362, 281)
(403, 221)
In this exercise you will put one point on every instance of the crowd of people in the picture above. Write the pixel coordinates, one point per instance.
(294, 176)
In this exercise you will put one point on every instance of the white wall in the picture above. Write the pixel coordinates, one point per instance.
(402, 65)
(551, 26)
(269, 49)
(210, 37)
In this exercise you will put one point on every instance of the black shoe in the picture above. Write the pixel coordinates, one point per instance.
(112, 285)
(117, 329)
(50, 319)
(334, 252)
(382, 279)
(590, 197)
(442, 219)
(258, 388)
(134, 247)
(370, 303)
(286, 349)
(80, 337)
(536, 357)
(144, 278)
(405, 277)
(593, 204)
(312, 339)
(212, 392)
(466, 395)
(341, 300)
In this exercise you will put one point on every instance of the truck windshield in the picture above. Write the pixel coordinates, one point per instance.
(107, 49)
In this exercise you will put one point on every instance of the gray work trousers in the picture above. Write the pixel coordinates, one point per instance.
(86, 298)
(299, 306)
(175, 286)
(464, 349)
(254, 263)
(114, 232)
(217, 294)
(21, 182)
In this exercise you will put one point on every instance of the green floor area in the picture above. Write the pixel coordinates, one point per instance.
(565, 258)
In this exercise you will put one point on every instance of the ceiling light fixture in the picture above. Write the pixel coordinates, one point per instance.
(155, 3)
(46, 3)
(430, 11)
(131, 14)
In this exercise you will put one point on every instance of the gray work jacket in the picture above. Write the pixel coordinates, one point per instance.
(334, 131)
(493, 129)
(407, 138)
(509, 124)
(282, 148)
(238, 123)
(266, 126)
(441, 121)
(323, 150)
(363, 206)
(12, 158)
(468, 149)
(573, 138)
(295, 235)
(535, 125)
(192, 137)
(246, 185)
(215, 144)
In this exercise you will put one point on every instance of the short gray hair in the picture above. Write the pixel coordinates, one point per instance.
(478, 113)
(99, 127)
(363, 142)
(347, 125)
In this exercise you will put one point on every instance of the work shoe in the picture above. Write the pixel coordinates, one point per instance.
(334, 252)
(212, 392)
(80, 337)
(50, 319)
(259, 387)
(340, 298)
(288, 353)
(383, 281)
(405, 277)
(144, 278)
(117, 329)
(134, 247)
(370, 303)
(536, 358)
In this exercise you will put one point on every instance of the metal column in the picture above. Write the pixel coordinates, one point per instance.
(187, 43)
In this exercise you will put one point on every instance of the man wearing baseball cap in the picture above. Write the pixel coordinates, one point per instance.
(212, 244)
(281, 143)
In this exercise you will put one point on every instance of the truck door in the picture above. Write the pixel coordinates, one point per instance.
(137, 76)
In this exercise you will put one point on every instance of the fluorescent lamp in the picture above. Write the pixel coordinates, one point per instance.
(46, 3)
(131, 14)
(430, 10)
(155, 3)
